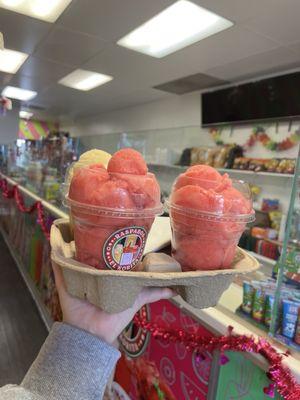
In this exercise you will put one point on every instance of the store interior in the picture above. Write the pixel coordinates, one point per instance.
(184, 83)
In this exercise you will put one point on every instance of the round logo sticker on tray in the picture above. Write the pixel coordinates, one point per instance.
(124, 248)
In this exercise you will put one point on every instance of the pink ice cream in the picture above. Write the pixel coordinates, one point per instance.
(113, 210)
(208, 216)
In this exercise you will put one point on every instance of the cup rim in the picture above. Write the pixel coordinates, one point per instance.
(210, 216)
(113, 212)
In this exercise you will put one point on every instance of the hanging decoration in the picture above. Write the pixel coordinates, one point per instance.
(216, 135)
(281, 377)
(14, 193)
(5, 105)
(259, 135)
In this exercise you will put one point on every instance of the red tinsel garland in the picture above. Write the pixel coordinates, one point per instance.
(282, 377)
(14, 193)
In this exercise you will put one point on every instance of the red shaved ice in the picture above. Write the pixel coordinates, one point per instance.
(207, 217)
(128, 161)
(86, 181)
(106, 202)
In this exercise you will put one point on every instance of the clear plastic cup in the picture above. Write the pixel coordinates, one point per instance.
(114, 235)
(206, 237)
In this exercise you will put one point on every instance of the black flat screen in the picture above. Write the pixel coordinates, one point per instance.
(272, 98)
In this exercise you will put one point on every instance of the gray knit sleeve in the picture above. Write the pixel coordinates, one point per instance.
(72, 365)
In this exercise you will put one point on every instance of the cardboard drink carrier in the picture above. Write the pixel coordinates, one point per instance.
(114, 291)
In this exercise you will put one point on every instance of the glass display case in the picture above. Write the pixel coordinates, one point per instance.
(271, 302)
(40, 165)
(285, 304)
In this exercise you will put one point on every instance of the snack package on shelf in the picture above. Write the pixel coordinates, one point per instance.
(291, 267)
(235, 151)
(218, 157)
(269, 304)
(277, 165)
(258, 305)
(290, 310)
(272, 164)
(248, 293)
(275, 219)
(255, 190)
(270, 205)
(241, 163)
(286, 166)
(257, 165)
(264, 233)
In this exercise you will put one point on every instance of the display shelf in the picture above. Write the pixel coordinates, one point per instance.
(181, 168)
(44, 313)
(263, 259)
(252, 321)
(261, 173)
(288, 342)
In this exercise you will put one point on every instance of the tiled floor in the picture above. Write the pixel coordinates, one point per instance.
(22, 331)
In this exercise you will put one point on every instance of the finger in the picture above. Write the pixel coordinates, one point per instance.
(151, 295)
(59, 279)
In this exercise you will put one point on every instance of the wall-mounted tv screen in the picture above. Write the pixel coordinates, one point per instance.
(273, 98)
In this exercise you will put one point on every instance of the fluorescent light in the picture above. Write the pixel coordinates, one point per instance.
(12, 3)
(11, 60)
(178, 26)
(46, 10)
(18, 93)
(84, 80)
(25, 114)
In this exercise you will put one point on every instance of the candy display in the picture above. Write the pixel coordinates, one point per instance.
(113, 210)
(218, 157)
(279, 165)
(258, 303)
(208, 215)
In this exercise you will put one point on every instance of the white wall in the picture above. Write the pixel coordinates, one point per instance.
(173, 112)
(9, 126)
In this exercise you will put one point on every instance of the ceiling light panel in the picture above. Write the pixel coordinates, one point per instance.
(11, 61)
(178, 26)
(18, 93)
(25, 114)
(46, 10)
(84, 80)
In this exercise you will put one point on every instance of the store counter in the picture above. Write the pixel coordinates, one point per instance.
(31, 251)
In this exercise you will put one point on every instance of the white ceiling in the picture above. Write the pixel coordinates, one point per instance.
(265, 39)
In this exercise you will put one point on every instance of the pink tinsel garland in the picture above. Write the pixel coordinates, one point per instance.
(15, 193)
(282, 377)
